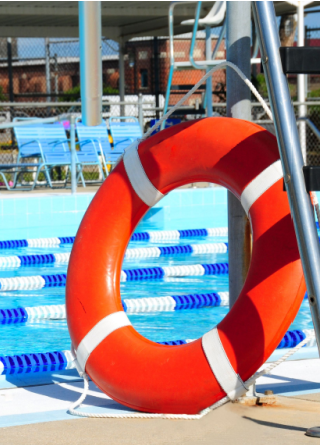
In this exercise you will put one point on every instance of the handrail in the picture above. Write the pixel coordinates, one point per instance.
(204, 64)
(63, 104)
(23, 123)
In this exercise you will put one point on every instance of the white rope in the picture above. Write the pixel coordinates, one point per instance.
(72, 409)
(281, 360)
(201, 81)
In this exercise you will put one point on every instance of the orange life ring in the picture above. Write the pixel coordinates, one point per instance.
(150, 377)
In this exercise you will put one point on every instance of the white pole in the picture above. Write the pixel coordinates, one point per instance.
(140, 111)
(73, 155)
(90, 61)
(301, 84)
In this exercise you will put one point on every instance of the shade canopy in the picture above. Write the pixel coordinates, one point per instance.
(120, 20)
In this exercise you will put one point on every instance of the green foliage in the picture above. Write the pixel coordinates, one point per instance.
(259, 82)
(314, 93)
(3, 97)
(107, 89)
(74, 94)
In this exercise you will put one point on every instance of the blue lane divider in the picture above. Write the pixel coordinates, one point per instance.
(144, 252)
(290, 340)
(60, 360)
(41, 281)
(37, 362)
(142, 236)
(132, 305)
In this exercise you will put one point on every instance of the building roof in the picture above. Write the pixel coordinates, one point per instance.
(120, 19)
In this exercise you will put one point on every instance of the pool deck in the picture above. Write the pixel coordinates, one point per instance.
(38, 415)
(285, 423)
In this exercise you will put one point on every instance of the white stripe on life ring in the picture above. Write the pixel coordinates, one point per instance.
(98, 333)
(230, 382)
(261, 184)
(138, 178)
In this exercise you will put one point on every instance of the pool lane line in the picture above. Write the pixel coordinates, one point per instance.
(61, 360)
(152, 236)
(130, 305)
(134, 305)
(143, 252)
(41, 281)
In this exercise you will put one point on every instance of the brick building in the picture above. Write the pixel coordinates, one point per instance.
(147, 65)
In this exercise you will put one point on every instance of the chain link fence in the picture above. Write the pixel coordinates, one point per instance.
(40, 78)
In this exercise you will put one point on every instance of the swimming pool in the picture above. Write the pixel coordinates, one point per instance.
(41, 335)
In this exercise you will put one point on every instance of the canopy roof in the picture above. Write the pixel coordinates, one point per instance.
(120, 20)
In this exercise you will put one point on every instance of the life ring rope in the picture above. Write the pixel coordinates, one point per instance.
(226, 399)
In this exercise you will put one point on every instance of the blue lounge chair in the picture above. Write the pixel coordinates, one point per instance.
(95, 139)
(48, 143)
(124, 133)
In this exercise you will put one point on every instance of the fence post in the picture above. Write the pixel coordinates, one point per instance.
(10, 75)
(238, 106)
(121, 77)
(140, 111)
(48, 73)
(73, 154)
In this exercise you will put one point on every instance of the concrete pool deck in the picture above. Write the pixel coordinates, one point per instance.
(285, 423)
(38, 414)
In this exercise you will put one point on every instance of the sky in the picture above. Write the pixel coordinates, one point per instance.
(32, 48)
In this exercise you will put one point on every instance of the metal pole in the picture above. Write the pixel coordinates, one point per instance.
(209, 81)
(238, 106)
(10, 72)
(121, 77)
(290, 153)
(73, 154)
(56, 76)
(140, 111)
(156, 72)
(90, 61)
(48, 73)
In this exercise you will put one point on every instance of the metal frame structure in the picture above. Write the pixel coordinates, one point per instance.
(290, 154)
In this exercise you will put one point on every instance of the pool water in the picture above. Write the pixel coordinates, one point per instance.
(49, 335)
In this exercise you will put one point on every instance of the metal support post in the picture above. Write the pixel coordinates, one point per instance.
(209, 81)
(48, 73)
(140, 111)
(238, 106)
(10, 72)
(56, 77)
(90, 62)
(156, 72)
(301, 84)
(121, 77)
(290, 153)
(73, 154)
